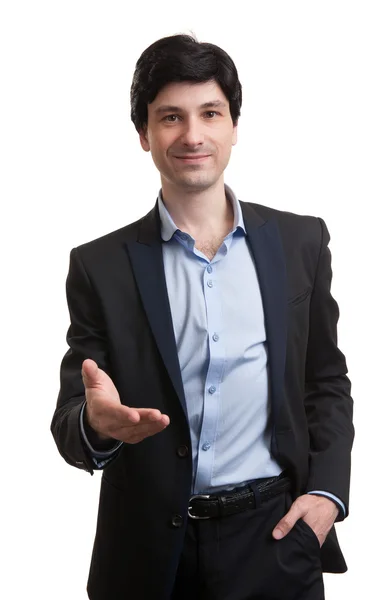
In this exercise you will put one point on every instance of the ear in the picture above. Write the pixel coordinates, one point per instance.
(143, 140)
(235, 135)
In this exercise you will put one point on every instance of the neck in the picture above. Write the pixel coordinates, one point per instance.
(199, 212)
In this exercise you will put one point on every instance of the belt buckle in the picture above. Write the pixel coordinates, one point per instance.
(204, 496)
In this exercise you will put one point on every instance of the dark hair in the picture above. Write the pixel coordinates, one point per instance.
(182, 58)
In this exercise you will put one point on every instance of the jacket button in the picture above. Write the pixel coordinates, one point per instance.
(182, 451)
(177, 521)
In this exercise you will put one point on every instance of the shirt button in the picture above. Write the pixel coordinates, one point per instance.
(210, 283)
(177, 521)
(206, 446)
(209, 269)
(182, 451)
(212, 389)
(215, 337)
(184, 236)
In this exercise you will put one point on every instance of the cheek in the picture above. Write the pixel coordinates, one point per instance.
(160, 148)
(157, 149)
(225, 148)
(225, 142)
(159, 153)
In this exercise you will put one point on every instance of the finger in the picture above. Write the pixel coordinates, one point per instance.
(125, 415)
(89, 372)
(288, 521)
(143, 427)
(153, 414)
(149, 414)
(120, 418)
(136, 433)
(146, 415)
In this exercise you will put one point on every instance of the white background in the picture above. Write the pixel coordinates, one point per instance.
(313, 139)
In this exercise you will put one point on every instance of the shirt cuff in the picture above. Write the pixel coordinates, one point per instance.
(337, 501)
(99, 457)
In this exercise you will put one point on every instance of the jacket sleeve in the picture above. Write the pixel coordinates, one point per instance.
(328, 403)
(86, 338)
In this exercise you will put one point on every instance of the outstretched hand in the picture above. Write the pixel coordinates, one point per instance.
(109, 417)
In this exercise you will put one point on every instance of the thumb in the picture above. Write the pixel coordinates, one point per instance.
(90, 373)
(288, 521)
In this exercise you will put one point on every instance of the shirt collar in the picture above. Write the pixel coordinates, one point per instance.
(168, 227)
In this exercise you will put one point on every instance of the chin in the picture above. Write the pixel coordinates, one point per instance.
(197, 186)
(196, 183)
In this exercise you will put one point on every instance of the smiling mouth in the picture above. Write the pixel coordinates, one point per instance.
(192, 159)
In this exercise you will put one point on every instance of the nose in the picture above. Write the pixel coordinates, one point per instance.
(192, 135)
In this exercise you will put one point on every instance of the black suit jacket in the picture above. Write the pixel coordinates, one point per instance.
(120, 317)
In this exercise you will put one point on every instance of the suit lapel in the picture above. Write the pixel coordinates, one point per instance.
(147, 262)
(266, 245)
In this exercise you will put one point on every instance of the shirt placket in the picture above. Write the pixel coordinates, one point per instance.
(212, 391)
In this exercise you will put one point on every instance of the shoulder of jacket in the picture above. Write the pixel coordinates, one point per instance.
(268, 213)
(114, 239)
(307, 225)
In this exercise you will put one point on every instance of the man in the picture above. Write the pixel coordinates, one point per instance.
(203, 373)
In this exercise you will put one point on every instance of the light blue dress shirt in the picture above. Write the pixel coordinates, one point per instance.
(220, 335)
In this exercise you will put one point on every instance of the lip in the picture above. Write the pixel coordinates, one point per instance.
(193, 159)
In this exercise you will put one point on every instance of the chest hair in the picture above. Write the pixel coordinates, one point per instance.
(210, 246)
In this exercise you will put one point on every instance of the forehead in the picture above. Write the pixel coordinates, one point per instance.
(188, 95)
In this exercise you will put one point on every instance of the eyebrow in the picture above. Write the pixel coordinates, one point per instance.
(170, 108)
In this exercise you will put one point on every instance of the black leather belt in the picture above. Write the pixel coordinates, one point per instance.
(223, 504)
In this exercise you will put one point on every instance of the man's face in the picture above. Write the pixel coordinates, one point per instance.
(190, 134)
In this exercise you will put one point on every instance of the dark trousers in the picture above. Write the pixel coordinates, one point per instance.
(236, 558)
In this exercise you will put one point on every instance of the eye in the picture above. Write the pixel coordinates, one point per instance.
(211, 113)
(170, 118)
